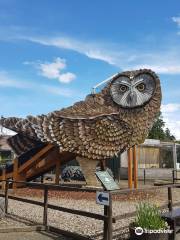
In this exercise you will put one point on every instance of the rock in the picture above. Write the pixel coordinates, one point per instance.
(2, 207)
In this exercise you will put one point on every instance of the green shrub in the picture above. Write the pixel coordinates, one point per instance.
(148, 217)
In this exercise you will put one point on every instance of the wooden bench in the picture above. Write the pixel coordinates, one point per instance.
(172, 217)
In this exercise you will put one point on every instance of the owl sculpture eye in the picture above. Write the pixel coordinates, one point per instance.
(141, 87)
(123, 88)
(132, 92)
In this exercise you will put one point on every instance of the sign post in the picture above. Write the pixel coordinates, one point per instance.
(108, 229)
(105, 198)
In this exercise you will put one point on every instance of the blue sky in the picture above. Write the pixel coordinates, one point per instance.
(53, 52)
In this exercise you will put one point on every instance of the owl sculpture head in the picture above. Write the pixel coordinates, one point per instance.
(134, 89)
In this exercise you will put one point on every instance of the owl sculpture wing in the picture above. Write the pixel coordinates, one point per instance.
(88, 129)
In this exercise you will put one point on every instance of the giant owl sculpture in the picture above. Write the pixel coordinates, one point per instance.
(104, 124)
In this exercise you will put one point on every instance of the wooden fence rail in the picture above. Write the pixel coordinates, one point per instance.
(107, 217)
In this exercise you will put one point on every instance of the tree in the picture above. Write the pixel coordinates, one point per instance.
(169, 136)
(158, 132)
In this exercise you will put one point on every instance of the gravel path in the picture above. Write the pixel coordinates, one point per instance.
(70, 222)
(83, 225)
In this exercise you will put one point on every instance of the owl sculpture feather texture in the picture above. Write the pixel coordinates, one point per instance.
(100, 127)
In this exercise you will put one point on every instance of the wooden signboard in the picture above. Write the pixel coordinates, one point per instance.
(107, 181)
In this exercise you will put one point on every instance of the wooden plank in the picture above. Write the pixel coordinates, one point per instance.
(135, 169)
(45, 207)
(26, 200)
(59, 187)
(78, 212)
(50, 162)
(58, 208)
(38, 170)
(130, 168)
(9, 175)
(15, 172)
(17, 176)
(44, 164)
(36, 158)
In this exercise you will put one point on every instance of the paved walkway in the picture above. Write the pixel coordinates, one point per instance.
(32, 236)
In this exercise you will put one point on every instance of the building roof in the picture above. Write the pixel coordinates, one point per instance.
(3, 143)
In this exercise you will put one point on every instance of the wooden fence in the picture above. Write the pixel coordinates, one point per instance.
(107, 217)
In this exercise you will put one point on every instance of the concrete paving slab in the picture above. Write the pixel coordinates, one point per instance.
(32, 236)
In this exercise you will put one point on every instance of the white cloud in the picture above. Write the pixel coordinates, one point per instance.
(162, 61)
(176, 20)
(65, 92)
(171, 116)
(66, 77)
(170, 107)
(89, 49)
(8, 81)
(166, 69)
(173, 123)
(53, 70)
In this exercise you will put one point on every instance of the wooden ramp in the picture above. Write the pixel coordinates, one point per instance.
(42, 161)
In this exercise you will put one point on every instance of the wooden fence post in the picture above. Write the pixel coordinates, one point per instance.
(130, 156)
(170, 198)
(45, 206)
(135, 164)
(105, 230)
(173, 176)
(15, 173)
(6, 196)
(107, 233)
(110, 228)
(144, 174)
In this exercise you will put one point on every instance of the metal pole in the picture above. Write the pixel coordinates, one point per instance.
(144, 176)
(174, 156)
(45, 206)
(105, 81)
(6, 196)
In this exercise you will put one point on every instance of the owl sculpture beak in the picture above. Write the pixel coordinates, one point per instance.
(132, 98)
